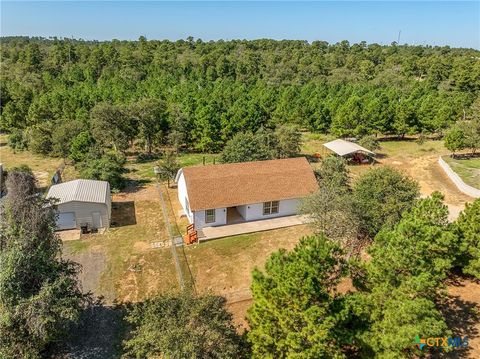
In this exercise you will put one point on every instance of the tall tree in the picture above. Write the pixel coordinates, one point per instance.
(380, 196)
(246, 147)
(152, 122)
(467, 227)
(296, 311)
(39, 293)
(402, 282)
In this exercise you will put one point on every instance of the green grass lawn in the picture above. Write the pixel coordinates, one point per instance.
(405, 149)
(43, 167)
(144, 170)
(313, 143)
(467, 169)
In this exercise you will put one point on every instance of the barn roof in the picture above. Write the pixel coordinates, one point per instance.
(233, 184)
(342, 147)
(81, 190)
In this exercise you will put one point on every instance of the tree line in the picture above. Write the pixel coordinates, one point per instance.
(201, 94)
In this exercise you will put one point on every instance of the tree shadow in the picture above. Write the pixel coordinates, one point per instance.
(98, 334)
(135, 185)
(462, 318)
(123, 214)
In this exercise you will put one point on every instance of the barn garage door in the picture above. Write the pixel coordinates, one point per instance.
(66, 220)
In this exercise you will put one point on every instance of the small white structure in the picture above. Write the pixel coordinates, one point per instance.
(343, 148)
(349, 150)
(216, 195)
(82, 203)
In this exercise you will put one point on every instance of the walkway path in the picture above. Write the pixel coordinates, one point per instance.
(250, 227)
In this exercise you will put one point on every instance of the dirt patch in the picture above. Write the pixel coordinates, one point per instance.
(70, 235)
(462, 313)
(239, 311)
(427, 172)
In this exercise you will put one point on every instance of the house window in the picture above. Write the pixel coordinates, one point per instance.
(209, 216)
(270, 207)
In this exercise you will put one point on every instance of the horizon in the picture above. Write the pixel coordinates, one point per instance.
(380, 22)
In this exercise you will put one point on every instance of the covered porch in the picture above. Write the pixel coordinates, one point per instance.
(234, 216)
(244, 227)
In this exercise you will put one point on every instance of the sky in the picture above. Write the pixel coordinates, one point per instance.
(453, 23)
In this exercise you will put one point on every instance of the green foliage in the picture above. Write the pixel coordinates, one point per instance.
(296, 311)
(333, 173)
(467, 227)
(370, 143)
(111, 126)
(380, 197)
(17, 140)
(455, 139)
(22, 168)
(288, 141)
(108, 167)
(464, 135)
(169, 166)
(403, 280)
(183, 326)
(265, 144)
(80, 146)
(63, 136)
(150, 115)
(39, 294)
(40, 138)
(245, 147)
(142, 91)
(331, 208)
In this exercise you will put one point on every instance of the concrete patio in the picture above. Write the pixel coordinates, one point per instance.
(250, 227)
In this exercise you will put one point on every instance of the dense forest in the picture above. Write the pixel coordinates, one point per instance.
(200, 94)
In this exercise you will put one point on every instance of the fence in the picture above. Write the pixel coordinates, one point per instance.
(184, 273)
(462, 186)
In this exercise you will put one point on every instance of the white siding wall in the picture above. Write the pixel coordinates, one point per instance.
(183, 196)
(83, 212)
(287, 207)
(220, 218)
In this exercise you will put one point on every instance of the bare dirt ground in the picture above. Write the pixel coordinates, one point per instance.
(428, 173)
(463, 315)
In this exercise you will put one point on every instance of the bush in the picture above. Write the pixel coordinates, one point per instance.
(182, 326)
(370, 143)
(17, 140)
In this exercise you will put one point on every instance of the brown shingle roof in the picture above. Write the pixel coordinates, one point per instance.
(233, 184)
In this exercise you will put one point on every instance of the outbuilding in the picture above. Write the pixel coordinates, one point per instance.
(350, 151)
(221, 194)
(82, 203)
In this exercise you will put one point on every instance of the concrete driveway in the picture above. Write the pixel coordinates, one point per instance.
(250, 227)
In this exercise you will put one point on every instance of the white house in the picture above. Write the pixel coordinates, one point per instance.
(82, 202)
(216, 195)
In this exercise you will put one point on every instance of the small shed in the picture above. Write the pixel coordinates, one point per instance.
(350, 150)
(82, 203)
